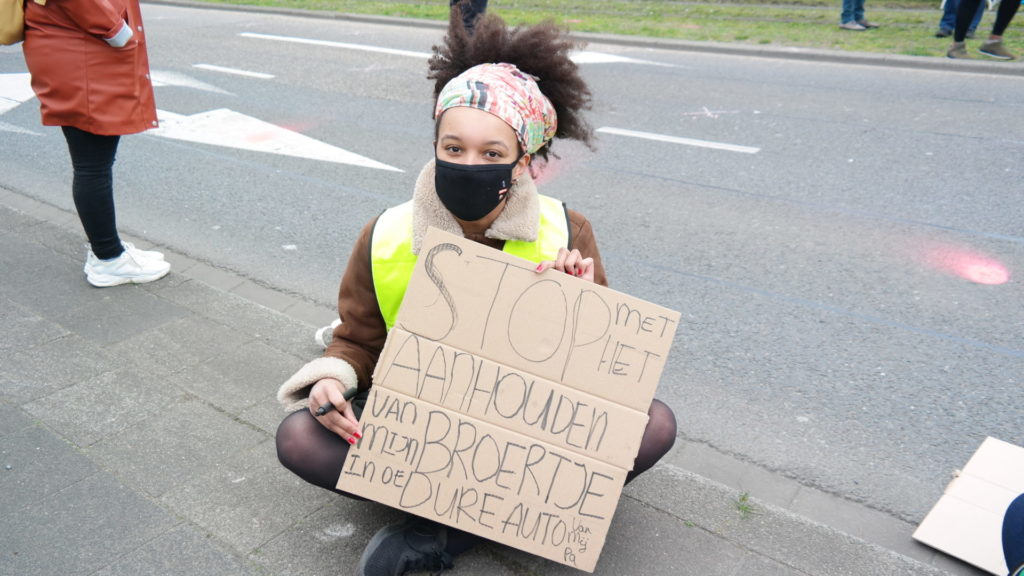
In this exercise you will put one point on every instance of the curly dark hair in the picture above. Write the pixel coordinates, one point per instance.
(541, 50)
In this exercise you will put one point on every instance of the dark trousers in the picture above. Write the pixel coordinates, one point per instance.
(92, 157)
(1007, 8)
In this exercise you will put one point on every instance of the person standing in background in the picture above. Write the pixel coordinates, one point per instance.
(948, 21)
(852, 17)
(472, 10)
(994, 45)
(90, 72)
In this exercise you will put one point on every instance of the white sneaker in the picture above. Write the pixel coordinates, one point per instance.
(150, 254)
(128, 247)
(128, 268)
(325, 334)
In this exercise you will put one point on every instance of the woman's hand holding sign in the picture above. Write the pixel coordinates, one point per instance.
(572, 263)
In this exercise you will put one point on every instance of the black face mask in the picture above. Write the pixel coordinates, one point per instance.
(470, 192)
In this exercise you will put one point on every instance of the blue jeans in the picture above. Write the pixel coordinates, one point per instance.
(948, 21)
(853, 11)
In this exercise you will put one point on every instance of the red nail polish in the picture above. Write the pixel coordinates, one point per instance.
(351, 440)
(579, 272)
(539, 266)
(357, 435)
(569, 272)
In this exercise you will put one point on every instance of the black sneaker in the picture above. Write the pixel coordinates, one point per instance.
(413, 544)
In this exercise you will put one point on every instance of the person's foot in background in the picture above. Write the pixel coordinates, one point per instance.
(958, 50)
(852, 26)
(995, 49)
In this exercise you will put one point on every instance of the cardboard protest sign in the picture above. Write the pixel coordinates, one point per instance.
(967, 521)
(508, 403)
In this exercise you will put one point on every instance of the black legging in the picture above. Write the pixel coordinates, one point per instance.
(92, 158)
(317, 455)
(1007, 8)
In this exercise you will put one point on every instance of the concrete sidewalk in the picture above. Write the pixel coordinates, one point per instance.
(137, 437)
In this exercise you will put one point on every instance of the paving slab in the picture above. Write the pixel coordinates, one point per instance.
(183, 551)
(36, 464)
(12, 220)
(266, 414)
(24, 328)
(41, 370)
(244, 320)
(12, 420)
(767, 530)
(330, 537)
(94, 409)
(120, 313)
(184, 441)
(54, 288)
(176, 346)
(238, 378)
(248, 500)
(80, 529)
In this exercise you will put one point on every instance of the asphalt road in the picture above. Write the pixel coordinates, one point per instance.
(846, 253)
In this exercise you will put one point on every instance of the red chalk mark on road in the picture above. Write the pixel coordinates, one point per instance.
(256, 137)
(301, 126)
(971, 266)
(985, 273)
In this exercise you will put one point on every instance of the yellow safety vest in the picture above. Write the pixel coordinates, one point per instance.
(392, 259)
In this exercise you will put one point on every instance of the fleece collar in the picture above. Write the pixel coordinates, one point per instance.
(518, 221)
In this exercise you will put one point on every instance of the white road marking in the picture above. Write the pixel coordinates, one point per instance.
(168, 78)
(333, 44)
(580, 57)
(588, 57)
(234, 71)
(15, 89)
(678, 140)
(707, 113)
(227, 128)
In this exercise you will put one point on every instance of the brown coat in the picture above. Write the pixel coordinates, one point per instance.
(360, 337)
(80, 79)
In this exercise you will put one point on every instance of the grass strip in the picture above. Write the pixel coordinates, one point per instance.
(907, 26)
